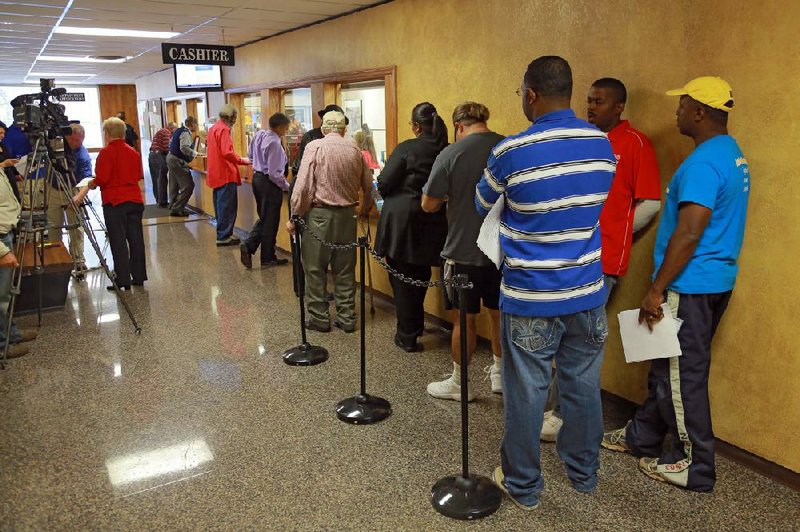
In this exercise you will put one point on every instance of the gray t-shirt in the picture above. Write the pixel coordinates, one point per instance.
(454, 175)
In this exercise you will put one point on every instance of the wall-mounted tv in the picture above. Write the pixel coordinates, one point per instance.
(198, 78)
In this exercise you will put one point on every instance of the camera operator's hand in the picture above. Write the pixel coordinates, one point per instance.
(9, 260)
(8, 162)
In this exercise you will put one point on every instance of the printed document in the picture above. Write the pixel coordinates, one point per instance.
(489, 236)
(640, 344)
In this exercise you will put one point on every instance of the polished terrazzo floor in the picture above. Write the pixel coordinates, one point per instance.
(198, 424)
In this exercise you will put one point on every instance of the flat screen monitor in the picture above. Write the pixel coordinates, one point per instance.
(194, 78)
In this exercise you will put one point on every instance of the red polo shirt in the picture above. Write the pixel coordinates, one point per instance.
(637, 178)
(221, 160)
(118, 170)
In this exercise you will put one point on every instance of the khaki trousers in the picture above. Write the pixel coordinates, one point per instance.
(57, 206)
(336, 225)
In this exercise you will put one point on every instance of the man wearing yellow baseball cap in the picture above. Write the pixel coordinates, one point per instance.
(696, 251)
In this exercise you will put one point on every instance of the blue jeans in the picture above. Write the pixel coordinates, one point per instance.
(611, 282)
(5, 298)
(529, 345)
(226, 203)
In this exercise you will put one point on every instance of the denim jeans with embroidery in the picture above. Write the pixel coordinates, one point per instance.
(529, 345)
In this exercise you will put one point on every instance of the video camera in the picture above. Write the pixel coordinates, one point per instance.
(39, 113)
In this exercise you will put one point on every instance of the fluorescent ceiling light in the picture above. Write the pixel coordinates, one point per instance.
(76, 59)
(114, 32)
(59, 83)
(58, 75)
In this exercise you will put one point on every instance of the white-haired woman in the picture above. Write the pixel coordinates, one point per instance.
(118, 171)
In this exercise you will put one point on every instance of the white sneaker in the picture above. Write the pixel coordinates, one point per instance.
(551, 426)
(449, 389)
(494, 374)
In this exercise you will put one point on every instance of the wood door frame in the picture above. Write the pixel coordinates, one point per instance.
(324, 88)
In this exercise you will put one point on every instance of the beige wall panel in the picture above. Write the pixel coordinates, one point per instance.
(448, 51)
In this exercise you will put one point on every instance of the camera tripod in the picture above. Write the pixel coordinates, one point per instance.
(48, 156)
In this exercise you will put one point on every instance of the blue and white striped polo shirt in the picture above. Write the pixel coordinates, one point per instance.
(555, 176)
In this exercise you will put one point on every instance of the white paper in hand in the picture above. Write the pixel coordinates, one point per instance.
(489, 236)
(84, 182)
(640, 344)
(21, 165)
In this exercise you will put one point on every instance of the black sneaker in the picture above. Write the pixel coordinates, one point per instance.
(110, 287)
(180, 214)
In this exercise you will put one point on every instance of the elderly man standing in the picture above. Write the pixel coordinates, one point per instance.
(181, 153)
(131, 138)
(58, 201)
(326, 193)
(159, 149)
(223, 175)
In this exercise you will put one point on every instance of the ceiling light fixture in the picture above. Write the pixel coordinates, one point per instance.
(75, 59)
(114, 32)
(58, 75)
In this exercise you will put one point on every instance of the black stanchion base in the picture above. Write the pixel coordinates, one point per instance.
(305, 355)
(363, 409)
(466, 498)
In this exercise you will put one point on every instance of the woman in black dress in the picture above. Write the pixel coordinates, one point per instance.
(410, 239)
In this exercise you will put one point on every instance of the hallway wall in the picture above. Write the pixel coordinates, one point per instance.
(454, 50)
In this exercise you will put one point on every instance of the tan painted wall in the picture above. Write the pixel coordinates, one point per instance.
(447, 51)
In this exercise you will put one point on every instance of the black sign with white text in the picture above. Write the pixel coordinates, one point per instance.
(196, 54)
(72, 97)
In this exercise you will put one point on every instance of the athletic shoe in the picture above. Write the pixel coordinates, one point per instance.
(497, 478)
(274, 262)
(649, 466)
(110, 287)
(495, 375)
(449, 389)
(226, 242)
(551, 426)
(234, 240)
(615, 440)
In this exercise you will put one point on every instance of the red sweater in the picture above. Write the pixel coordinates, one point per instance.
(221, 160)
(118, 170)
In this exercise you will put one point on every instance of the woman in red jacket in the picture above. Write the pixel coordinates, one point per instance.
(118, 171)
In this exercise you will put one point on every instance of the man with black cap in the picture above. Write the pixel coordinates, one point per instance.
(696, 252)
(314, 134)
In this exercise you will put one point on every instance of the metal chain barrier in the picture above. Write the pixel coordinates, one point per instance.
(454, 282)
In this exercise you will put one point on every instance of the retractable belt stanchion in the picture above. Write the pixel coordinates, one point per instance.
(465, 496)
(363, 408)
(304, 354)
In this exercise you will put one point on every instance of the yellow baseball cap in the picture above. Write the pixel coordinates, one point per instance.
(712, 91)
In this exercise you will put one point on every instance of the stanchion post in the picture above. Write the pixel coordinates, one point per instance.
(304, 354)
(363, 408)
(465, 496)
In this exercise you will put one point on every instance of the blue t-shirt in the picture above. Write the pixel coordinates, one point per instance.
(715, 175)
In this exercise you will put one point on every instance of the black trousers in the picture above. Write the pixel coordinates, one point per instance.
(677, 400)
(125, 234)
(269, 198)
(409, 300)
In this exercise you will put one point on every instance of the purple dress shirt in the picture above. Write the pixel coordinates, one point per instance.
(269, 157)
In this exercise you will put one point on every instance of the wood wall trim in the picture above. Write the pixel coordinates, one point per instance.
(337, 77)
